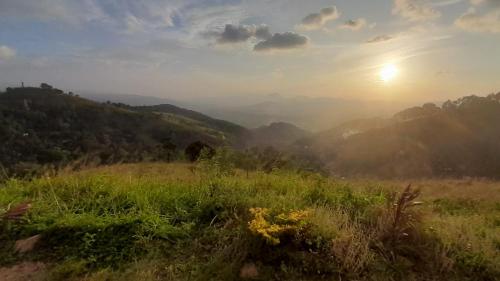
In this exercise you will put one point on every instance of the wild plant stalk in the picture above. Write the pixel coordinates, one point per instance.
(403, 204)
(401, 218)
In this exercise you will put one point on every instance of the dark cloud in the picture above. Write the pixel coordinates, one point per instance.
(282, 41)
(318, 20)
(380, 38)
(235, 34)
(354, 24)
(239, 33)
(262, 32)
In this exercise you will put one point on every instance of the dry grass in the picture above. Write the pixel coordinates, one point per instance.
(193, 226)
(472, 189)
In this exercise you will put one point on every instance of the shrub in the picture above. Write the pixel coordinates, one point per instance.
(217, 163)
(291, 224)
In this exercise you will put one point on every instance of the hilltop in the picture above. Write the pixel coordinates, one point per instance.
(47, 126)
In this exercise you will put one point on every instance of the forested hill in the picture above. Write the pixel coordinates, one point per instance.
(460, 138)
(45, 125)
(190, 117)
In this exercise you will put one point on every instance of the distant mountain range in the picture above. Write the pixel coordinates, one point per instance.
(310, 113)
(279, 135)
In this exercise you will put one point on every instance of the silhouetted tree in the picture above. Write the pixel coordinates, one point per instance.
(194, 150)
(46, 86)
(167, 149)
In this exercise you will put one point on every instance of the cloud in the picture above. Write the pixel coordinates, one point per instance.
(233, 34)
(490, 2)
(6, 53)
(444, 3)
(415, 10)
(282, 41)
(72, 12)
(380, 38)
(125, 15)
(354, 24)
(262, 32)
(318, 20)
(475, 22)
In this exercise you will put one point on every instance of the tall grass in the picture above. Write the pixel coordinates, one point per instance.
(181, 222)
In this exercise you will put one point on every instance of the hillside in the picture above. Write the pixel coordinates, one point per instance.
(278, 135)
(310, 113)
(46, 126)
(193, 222)
(461, 138)
(236, 134)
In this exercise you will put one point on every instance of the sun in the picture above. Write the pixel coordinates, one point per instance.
(388, 73)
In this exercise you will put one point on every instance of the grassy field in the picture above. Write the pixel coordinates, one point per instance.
(185, 222)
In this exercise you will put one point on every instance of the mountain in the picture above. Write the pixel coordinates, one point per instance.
(192, 119)
(253, 111)
(133, 100)
(310, 113)
(47, 126)
(278, 135)
(460, 138)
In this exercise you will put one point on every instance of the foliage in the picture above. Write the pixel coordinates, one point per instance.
(216, 163)
(459, 139)
(43, 129)
(198, 149)
(292, 224)
(162, 221)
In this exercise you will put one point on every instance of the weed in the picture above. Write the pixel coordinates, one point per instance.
(292, 223)
(164, 222)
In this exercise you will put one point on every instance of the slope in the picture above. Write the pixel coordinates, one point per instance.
(461, 138)
(47, 126)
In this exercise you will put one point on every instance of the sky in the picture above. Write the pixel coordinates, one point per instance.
(434, 49)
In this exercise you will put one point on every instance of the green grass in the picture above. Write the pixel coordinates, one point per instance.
(178, 222)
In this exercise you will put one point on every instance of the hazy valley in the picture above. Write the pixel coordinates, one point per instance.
(236, 140)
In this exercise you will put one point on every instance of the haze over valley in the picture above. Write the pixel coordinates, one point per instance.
(250, 140)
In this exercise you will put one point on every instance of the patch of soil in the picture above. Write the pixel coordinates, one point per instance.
(26, 245)
(26, 271)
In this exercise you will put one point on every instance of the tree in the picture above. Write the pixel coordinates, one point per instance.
(167, 149)
(46, 86)
(247, 160)
(194, 150)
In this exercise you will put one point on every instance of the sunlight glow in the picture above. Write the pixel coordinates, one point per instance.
(388, 73)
